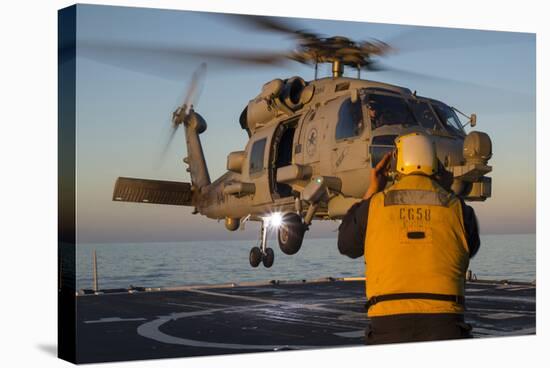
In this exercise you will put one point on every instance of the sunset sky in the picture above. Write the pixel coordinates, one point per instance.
(124, 110)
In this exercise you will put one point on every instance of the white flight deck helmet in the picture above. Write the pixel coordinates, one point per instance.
(415, 154)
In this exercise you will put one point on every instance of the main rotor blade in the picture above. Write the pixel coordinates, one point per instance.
(421, 39)
(487, 98)
(271, 24)
(169, 62)
(433, 78)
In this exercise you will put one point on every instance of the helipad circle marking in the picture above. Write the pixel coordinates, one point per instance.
(152, 331)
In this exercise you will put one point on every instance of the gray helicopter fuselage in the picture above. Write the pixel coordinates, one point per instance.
(314, 138)
(312, 145)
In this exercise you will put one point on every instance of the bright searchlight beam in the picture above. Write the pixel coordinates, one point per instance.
(275, 220)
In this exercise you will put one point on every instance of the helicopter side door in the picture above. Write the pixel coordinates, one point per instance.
(306, 150)
(348, 136)
(256, 168)
(282, 155)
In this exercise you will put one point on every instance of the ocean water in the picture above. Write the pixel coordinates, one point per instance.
(510, 257)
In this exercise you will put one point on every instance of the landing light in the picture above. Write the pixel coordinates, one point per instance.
(275, 220)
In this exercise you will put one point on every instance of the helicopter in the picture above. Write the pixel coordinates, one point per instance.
(312, 144)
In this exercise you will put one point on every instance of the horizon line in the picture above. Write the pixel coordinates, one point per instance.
(251, 239)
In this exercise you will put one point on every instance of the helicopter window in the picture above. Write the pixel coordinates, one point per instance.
(423, 113)
(384, 140)
(257, 156)
(381, 145)
(350, 120)
(378, 153)
(341, 87)
(389, 110)
(448, 118)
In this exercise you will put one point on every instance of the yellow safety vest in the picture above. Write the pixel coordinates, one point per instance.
(416, 252)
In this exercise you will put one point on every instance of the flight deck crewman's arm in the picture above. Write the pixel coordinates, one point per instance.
(351, 232)
(472, 228)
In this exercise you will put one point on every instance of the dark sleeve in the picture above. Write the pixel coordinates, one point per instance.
(351, 232)
(472, 228)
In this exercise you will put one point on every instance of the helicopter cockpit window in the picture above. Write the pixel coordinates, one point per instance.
(448, 118)
(350, 120)
(424, 115)
(389, 110)
(257, 156)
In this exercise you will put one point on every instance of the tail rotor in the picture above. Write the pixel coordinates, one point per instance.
(182, 113)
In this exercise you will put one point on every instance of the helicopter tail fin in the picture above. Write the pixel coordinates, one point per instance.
(195, 125)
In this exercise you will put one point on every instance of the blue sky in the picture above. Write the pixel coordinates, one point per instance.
(123, 113)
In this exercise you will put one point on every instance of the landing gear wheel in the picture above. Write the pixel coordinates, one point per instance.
(255, 257)
(291, 233)
(268, 258)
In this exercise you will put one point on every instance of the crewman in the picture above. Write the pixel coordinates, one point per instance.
(417, 238)
(375, 114)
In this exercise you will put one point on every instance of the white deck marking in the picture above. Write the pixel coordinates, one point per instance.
(471, 290)
(274, 301)
(502, 315)
(351, 334)
(519, 288)
(522, 299)
(491, 333)
(115, 319)
(152, 331)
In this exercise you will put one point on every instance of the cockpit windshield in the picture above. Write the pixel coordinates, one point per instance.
(388, 110)
(448, 117)
(424, 114)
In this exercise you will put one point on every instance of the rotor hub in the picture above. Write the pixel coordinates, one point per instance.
(339, 51)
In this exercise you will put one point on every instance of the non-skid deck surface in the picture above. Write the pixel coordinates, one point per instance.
(207, 321)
